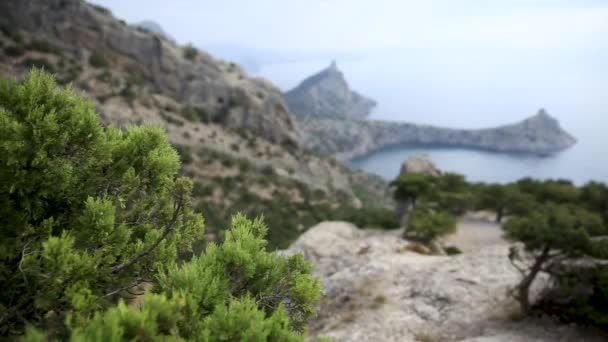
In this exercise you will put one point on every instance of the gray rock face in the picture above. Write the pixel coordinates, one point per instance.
(194, 78)
(377, 289)
(419, 163)
(327, 95)
(348, 139)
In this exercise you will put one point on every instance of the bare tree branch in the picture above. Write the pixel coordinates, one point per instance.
(127, 288)
(23, 255)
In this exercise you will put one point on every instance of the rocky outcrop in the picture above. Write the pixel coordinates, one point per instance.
(327, 95)
(419, 163)
(154, 27)
(376, 288)
(348, 139)
(187, 75)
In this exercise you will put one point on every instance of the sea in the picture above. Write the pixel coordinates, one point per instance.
(478, 91)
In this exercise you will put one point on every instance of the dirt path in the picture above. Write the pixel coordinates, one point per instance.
(473, 233)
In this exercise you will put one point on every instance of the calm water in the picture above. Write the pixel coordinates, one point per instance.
(481, 91)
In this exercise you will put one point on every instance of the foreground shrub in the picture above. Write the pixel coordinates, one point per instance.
(89, 214)
(382, 218)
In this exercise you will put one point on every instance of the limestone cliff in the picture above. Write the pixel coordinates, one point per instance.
(348, 139)
(327, 95)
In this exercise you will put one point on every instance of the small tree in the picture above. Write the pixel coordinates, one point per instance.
(452, 182)
(426, 225)
(551, 233)
(504, 199)
(190, 52)
(410, 187)
(594, 196)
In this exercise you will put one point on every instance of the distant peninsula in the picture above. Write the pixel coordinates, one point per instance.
(348, 139)
(331, 120)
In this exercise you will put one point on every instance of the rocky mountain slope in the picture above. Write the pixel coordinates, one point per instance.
(327, 95)
(378, 288)
(348, 139)
(236, 135)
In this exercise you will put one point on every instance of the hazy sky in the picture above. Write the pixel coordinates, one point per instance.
(357, 25)
(469, 63)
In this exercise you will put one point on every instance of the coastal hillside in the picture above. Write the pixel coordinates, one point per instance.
(347, 139)
(235, 134)
(326, 94)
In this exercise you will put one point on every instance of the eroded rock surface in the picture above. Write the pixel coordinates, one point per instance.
(419, 163)
(377, 289)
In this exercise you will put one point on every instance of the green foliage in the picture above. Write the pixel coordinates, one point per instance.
(505, 200)
(190, 52)
(14, 51)
(40, 63)
(553, 231)
(90, 213)
(185, 155)
(98, 60)
(242, 267)
(426, 225)
(456, 203)
(452, 182)
(12, 33)
(579, 295)
(411, 186)
(195, 114)
(128, 94)
(563, 228)
(594, 196)
(452, 250)
(557, 191)
(43, 46)
(236, 291)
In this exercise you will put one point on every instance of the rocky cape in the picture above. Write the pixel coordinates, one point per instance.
(327, 95)
(348, 139)
(378, 287)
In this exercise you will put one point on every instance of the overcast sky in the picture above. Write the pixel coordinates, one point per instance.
(358, 25)
(469, 63)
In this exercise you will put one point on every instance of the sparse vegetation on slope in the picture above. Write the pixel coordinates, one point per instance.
(562, 229)
(229, 128)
